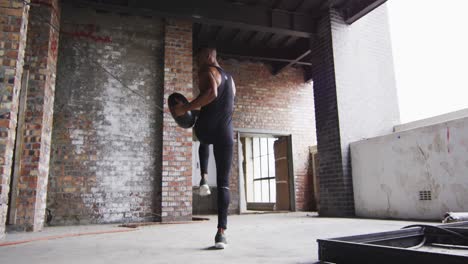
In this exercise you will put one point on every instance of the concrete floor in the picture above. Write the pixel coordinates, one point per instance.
(254, 238)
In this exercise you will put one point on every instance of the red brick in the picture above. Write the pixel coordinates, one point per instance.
(10, 93)
(178, 41)
(37, 126)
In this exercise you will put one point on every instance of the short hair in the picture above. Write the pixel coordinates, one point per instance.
(206, 46)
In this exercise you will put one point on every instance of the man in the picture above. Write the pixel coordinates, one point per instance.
(214, 126)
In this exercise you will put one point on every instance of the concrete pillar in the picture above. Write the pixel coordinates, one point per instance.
(176, 193)
(14, 20)
(41, 59)
(355, 98)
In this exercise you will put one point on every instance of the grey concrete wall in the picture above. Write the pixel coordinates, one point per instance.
(106, 160)
(390, 171)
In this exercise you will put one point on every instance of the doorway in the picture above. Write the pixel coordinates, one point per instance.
(266, 166)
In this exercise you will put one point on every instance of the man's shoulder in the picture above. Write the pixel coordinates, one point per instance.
(210, 70)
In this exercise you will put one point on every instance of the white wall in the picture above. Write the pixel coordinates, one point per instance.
(196, 166)
(365, 79)
(389, 171)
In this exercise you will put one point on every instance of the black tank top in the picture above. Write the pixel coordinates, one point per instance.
(215, 119)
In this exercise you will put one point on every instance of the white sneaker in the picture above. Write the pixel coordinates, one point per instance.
(204, 188)
(220, 241)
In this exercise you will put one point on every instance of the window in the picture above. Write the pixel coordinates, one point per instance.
(264, 170)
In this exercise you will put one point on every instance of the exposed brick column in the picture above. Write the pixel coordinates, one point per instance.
(14, 24)
(177, 142)
(41, 57)
(355, 98)
(332, 181)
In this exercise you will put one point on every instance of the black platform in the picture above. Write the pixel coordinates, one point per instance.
(423, 244)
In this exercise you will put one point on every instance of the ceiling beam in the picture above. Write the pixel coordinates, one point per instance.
(223, 35)
(220, 13)
(256, 38)
(204, 33)
(299, 5)
(217, 32)
(267, 39)
(276, 4)
(353, 10)
(290, 41)
(295, 61)
(252, 35)
(256, 58)
(259, 50)
(244, 26)
(196, 30)
(234, 35)
(276, 40)
(279, 58)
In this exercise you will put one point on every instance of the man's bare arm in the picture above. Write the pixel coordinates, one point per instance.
(209, 93)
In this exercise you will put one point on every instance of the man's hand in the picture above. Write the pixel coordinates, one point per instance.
(179, 108)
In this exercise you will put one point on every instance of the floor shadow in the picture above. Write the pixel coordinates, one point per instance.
(211, 248)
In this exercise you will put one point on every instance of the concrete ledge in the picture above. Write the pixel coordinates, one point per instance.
(432, 120)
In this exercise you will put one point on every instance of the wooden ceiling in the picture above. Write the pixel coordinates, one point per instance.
(279, 32)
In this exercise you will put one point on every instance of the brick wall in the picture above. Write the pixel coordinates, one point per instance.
(177, 142)
(41, 58)
(106, 141)
(14, 23)
(280, 103)
(335, 192)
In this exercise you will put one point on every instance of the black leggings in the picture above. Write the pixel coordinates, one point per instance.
(223, 158)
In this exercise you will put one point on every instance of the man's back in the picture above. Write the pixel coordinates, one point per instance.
(215, 120)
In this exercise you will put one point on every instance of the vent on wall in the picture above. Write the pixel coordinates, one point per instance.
(425, 196)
